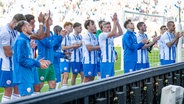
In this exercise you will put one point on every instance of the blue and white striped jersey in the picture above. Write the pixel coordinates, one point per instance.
(76, 55)
(142, 54)
(66, 42)
(7, 38)
(107, 48)
(89, 57)
(161, 47)
(169, 52)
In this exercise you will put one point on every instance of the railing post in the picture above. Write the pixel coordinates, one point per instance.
(86, 100)
(149, 92)
(158, 88)
(177, 79)
(136, 95)
(120, 96)
(169, 79)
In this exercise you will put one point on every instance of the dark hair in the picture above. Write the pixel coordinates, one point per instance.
(29, 17)
(19, 25)
(169, 22)
(139, 24)
(163, 26)
(100, 24)
(76, 24)
(19, 17)
(57, 29)
(87, 23)
(126, 23)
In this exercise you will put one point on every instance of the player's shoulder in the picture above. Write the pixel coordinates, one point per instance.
(4, 29)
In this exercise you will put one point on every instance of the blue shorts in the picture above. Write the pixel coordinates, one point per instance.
(25, 89)
(129, 66)
(140, 66)
(36, 77)
(57, 72)
(90, 70)
(98, 66)
(76, 67)
(6, 78)
(161, 61)
(106, 69)
(65, 67)
(165, 62)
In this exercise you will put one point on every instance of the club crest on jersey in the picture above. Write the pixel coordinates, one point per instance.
(89, 73)
(75, 70)
(42, 78)
(29, 89)
(8, 82)
(65, 68)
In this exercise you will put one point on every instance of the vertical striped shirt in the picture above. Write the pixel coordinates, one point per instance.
(76, 55)
(7, 38)
(89, 57)
(107, 47)
(66, 42)
(142, 54)
(169, 52)
(161, 47)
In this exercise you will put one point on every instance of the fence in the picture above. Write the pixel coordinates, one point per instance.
(140, 87)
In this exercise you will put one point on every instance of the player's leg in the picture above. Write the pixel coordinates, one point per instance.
(89, 72)
(7, 94)
(65, 68)
(6, 81)
(82, 76)
(58, 74)
(76, 68)
(51, 77)
(36, 82)
(15, 94)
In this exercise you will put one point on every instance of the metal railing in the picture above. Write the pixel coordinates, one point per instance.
(140, 87)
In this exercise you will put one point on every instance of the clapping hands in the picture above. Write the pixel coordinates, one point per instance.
(44, 63)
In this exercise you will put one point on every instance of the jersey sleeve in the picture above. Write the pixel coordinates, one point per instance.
(165, 38)
(103, 36)
(139, 39)
(5, 37)
(86, 40)
(73, 41)
(64, 41)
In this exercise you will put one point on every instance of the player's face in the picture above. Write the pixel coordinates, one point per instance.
(107, 28)
(69, 28)
(92, 27)
(78, 29)
(163, 30)
(28, 28)
(144, 27)
(14, 23)
(32, 23)
(130, 25)
(172, 27)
